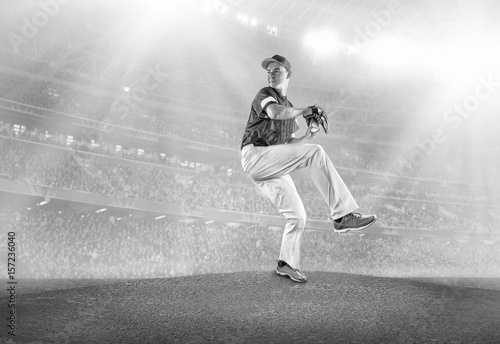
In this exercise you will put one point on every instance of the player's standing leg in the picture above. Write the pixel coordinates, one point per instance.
(283, 193)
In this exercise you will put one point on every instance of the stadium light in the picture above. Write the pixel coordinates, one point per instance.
(322, 43)
(101, 210)
(457, 63)
(396, 52)
(476, 52)
(160, 217)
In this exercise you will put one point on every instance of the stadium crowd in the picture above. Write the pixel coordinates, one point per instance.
(118, 110)
(225, 131)
(67, 169)
(72, 243)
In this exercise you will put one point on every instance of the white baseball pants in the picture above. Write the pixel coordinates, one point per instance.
(269, 168)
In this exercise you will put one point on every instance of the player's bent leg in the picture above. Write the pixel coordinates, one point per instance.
(262, 163)
(330, 184)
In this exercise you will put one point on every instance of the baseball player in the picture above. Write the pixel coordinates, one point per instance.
(270, 152)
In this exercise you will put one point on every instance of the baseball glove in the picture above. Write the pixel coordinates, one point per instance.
(318, 115)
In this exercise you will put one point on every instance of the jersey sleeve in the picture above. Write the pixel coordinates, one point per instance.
(262, 100)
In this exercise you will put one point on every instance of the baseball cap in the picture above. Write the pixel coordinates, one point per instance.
(277, 58)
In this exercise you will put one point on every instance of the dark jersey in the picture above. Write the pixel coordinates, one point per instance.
(262, 130)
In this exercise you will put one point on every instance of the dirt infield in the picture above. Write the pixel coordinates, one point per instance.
(256, 307)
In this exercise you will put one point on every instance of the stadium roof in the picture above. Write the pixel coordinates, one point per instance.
(54, 35)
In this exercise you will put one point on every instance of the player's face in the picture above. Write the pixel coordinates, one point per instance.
(277, 75)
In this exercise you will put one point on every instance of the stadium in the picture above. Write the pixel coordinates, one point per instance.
(126, 214)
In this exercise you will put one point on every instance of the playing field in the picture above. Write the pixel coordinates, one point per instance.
(257, 307)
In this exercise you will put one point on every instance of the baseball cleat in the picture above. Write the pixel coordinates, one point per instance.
(294, 274)
(353, 222)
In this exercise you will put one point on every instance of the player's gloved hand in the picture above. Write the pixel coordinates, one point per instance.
(319, 116)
